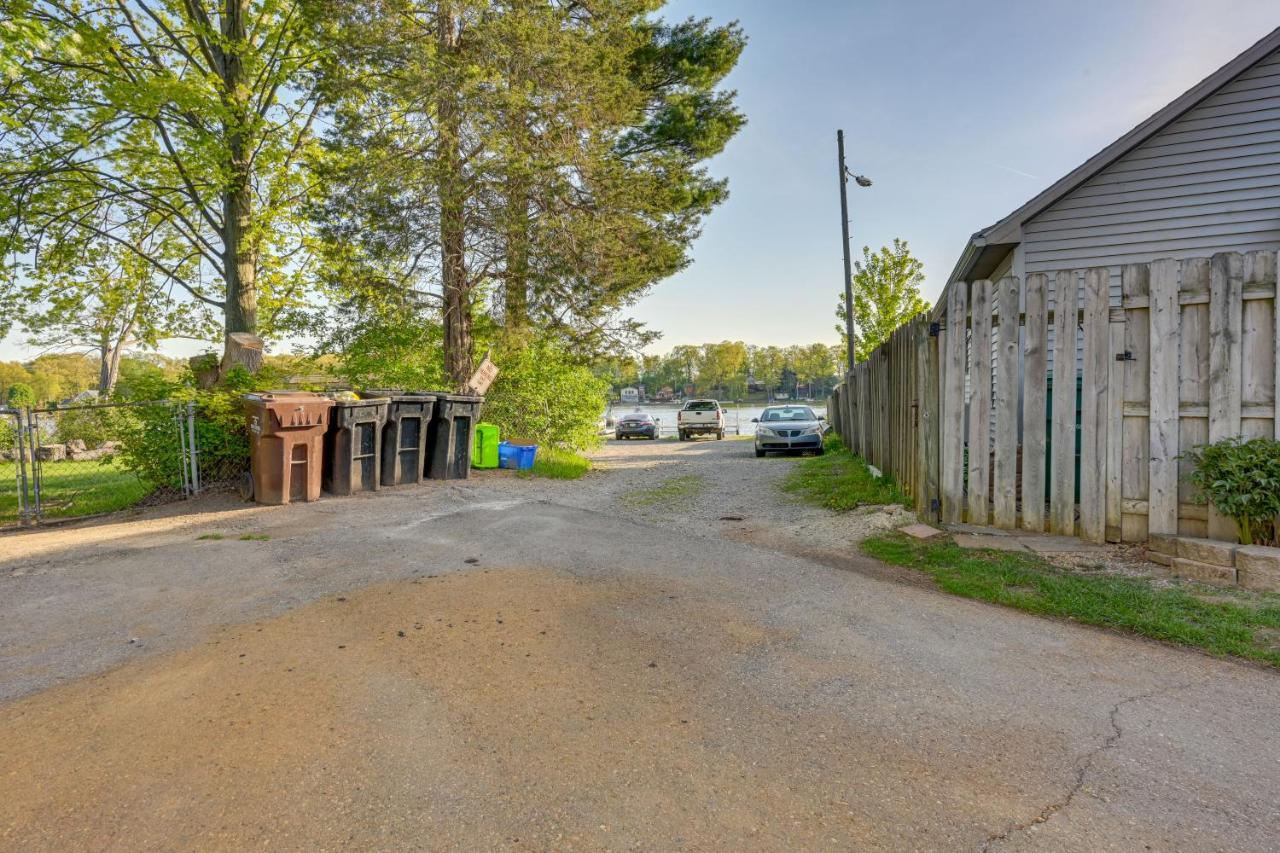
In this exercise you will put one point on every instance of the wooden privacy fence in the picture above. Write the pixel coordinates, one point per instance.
(886, 408)
(1066, 403)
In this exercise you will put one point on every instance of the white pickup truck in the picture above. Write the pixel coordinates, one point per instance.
(700, 417)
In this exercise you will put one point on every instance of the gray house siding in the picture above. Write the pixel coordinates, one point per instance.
(1208, 182)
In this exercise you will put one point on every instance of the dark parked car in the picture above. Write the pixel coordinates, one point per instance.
(637, 425)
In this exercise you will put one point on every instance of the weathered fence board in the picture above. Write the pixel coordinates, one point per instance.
(1094, 405)
(1004, 484)
(1226, 292)
(1193, 381)
(979, 401)
(1035, 366)
(1062, 471)
(1162, 502)
(1135, 433)
(951, 477)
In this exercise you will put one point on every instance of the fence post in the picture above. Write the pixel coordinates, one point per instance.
(20, 469)
(33, 439)
(928, 394)
(195, 446)
(182, 451)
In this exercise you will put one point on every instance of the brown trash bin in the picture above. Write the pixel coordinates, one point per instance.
(286, 445)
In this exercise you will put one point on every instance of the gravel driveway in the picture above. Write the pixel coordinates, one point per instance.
(613, 663)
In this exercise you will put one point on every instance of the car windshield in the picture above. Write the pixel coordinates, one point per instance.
(701, 406)
(637, 419)
(797, 413)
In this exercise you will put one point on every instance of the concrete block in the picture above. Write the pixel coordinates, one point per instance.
(1204, 572)
(1163, 543)
(996, 543)
(51, 452)
(1061, 545)
(1157, 557)
(976, 529)
(1210, 551)
(1258, 567)
(920, 531)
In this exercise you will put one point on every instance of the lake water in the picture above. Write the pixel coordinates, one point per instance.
(738, 420)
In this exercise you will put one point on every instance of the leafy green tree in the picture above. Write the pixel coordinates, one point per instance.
(814, 365)
(536, 159)
(105, 302)
(886, 294)
(766, 365)
(720, 364)
(188, 118)
(21, 395)
(544, 394)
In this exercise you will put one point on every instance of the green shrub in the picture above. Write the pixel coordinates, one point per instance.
(21, 395)
(152, 446)
(394, 355)
(92, 426)
(8, 433)
(543, 395)
(1242, 481)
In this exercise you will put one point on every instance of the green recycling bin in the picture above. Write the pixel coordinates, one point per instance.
(485, 452)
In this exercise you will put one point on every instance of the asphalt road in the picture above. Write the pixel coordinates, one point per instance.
(528, 665)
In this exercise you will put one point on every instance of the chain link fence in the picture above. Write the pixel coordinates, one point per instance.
(13, 468)
(76, 461)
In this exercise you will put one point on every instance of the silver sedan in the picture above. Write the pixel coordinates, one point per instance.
(788, 428)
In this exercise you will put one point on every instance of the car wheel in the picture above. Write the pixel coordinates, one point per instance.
(759, 453)
(720, 435)
(819, 451)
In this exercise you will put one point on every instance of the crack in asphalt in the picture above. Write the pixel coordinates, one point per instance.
(1083, 765)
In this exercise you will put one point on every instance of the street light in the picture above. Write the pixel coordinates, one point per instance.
(862, 181)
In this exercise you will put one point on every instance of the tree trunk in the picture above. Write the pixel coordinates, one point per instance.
(105, 381)
(516, 292)
(458, 344)
(239, 256)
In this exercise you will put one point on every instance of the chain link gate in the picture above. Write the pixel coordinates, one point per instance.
(79, 461)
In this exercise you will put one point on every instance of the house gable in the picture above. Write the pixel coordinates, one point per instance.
(1207, 182)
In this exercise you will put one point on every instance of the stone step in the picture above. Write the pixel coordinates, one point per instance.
(1204, 572)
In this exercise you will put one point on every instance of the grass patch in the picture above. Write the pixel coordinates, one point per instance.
(841, 481)
(1175, 614)
(677, 492)
(254, 537)
(557, 464)
(73, 488)
(210, 537)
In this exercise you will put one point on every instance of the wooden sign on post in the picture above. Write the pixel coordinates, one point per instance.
(480, 381)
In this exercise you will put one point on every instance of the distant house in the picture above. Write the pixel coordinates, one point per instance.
(665, 394)
(1200, 176)
(630, 395)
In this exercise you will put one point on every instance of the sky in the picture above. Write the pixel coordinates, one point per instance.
(958, 112)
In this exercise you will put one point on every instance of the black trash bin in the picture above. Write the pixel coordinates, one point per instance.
(353, 446)
(404, 438)
(450, 435)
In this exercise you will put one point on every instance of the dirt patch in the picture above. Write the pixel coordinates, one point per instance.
(494, 708)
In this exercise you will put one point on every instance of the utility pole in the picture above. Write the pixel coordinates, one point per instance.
(844, 232)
